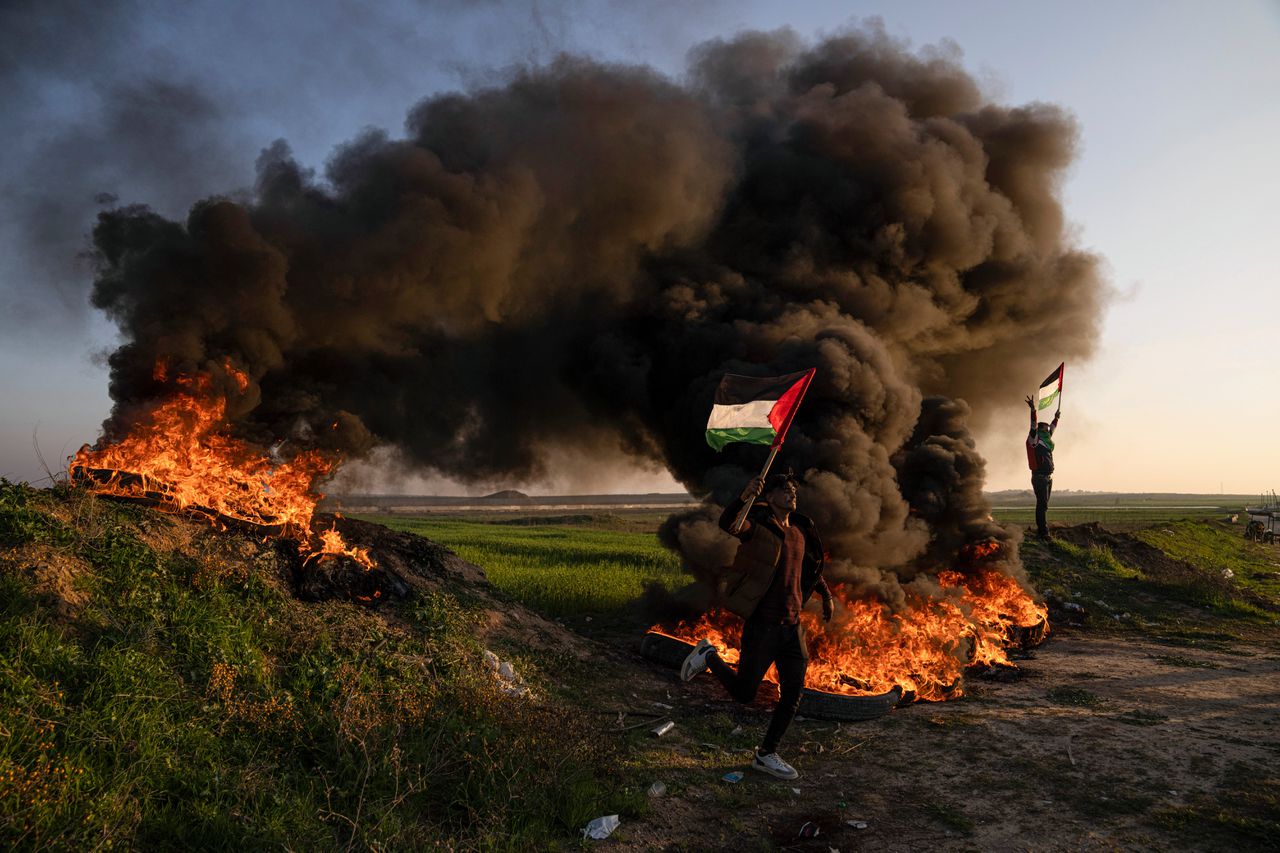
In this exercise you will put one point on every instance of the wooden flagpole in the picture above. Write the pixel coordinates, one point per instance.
(746, 507)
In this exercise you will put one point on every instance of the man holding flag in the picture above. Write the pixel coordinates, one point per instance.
(1040, 445)
(778, 565)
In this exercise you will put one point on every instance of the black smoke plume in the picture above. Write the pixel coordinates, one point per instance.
(575, 258)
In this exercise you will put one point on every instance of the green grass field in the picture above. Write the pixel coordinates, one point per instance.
(599, 565)
(1073, 514)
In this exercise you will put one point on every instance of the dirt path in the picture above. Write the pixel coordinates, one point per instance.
(1103, 743)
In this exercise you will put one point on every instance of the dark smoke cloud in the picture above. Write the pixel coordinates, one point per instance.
(576, 256)
(143, 101)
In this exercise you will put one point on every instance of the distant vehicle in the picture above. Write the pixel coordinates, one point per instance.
(1264, 520)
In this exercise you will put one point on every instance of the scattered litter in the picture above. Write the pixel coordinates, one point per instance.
(588, 618)
(1228, 574)
(737, 730)
(856, 824)
(664, 705)
(601, 828)
(657, 789)
(809, 830)
(795, 791)
(733, 778)
(663, 729)
(1173, 793)
(509, 681)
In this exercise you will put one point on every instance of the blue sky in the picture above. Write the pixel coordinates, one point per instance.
(1175, 184)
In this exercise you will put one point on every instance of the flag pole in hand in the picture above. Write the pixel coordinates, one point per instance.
(746, 506)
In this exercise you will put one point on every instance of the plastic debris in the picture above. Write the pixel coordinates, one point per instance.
(734, 777)
(657, 789)
(737, 730)
(809, 830)
(856, 824)
(795, 791)
(663, 729)
(509, 681)
(1228, 574)
(663, 705)
(601, 828)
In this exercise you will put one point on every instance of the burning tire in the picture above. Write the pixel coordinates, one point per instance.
(849, 709)
(671, 652)
(1028, 636)
(665, 650)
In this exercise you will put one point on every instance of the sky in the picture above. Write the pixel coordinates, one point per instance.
(1174, 186)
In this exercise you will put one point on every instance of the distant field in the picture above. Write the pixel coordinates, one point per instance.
(1072, 513)
(1079, 507)
(596, 560)
(594, 564)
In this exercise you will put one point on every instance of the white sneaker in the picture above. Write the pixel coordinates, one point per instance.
(775, 766)
(696, 663)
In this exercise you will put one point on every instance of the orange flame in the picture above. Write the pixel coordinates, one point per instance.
(869, 648)
(182, 457)
(331, 542)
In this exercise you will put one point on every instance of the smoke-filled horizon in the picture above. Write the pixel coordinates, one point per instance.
(574, 257)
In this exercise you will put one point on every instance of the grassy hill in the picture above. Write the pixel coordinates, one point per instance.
(162, 686)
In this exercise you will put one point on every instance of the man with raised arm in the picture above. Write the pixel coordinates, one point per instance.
(1040, 459)
(778, 566)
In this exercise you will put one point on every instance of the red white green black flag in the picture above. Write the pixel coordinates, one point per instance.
(1051, 388)
(755, 409)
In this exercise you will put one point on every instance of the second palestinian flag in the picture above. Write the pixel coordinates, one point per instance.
(755, 409)
(1051, 388)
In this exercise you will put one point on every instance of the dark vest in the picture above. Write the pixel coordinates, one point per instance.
(751, 574)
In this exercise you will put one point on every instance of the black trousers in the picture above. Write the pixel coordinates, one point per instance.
(1043, 486)
(764, 644)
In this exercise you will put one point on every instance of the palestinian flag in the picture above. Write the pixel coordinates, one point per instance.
(755, 409)
(1051, 388)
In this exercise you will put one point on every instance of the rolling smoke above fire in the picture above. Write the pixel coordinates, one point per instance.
(574, 258)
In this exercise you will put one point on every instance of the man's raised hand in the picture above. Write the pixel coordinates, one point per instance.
(753, 488)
